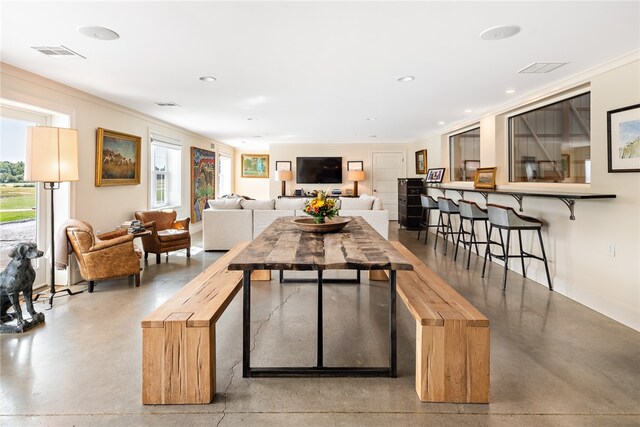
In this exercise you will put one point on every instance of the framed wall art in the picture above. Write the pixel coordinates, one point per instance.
(434, 176)
(485, 178)
(117, 158)
(203, 180)
(255, 165)
(283, 165)
(421, 162)
(355, 165)
(623, 139)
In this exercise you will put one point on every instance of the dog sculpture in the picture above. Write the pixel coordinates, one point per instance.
(18, 277)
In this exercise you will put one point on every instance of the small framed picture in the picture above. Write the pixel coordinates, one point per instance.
(283, 165)
(485, 178)
(434, 176)
(356, 165)
(623, 139)
(421, 162)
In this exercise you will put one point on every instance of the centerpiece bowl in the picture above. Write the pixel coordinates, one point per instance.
(329, 226)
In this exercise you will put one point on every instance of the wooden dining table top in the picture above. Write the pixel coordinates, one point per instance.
(283, 246)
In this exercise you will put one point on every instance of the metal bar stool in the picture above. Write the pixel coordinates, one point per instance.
(470, 211)
(505, 218)
(447, 207)
(428, 204)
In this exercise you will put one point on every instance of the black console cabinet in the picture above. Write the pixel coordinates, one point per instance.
(409, 206)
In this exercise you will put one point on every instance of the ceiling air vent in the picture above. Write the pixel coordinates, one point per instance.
(58, 52)
(167, 104)
(541, 67)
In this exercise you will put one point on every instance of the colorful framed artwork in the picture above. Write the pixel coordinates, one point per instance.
(117, 158)
(421, 162)
(355, 165)
(255, 165)
(203, 180)
(283, 165)
(485, 178)
(434, 176)
(623, 139)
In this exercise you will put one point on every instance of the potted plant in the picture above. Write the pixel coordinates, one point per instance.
(321, 208)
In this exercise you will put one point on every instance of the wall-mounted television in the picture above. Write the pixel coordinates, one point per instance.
(319, 170)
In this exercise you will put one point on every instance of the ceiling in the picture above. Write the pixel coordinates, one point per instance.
(315, 72)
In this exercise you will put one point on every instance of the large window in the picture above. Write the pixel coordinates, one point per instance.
(464, 150)
(165, 172)
(552, 143)
(225, 174)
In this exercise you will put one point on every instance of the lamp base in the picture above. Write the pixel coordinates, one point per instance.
(355, 188)
(284, 188)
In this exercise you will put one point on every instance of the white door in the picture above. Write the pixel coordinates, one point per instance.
(388, 166)
(21, 216)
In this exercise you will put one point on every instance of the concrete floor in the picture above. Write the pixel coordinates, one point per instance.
(553, 361)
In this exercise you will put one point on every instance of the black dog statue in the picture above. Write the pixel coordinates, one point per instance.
(18, 277)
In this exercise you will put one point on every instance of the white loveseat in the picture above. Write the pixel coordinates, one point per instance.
(230, 221)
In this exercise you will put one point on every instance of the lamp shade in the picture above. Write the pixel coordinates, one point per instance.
(284, 175)
(355, 175)
(52, 154)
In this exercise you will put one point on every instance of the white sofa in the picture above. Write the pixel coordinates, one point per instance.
(230, 221)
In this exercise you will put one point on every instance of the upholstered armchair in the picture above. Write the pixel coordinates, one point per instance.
(167, 233)
(105, 256)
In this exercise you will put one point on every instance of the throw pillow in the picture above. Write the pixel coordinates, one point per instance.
(258, 205)
(356, 204)
(225, 204)
(377, 203)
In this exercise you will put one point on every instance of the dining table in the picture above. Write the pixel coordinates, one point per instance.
(284, 246)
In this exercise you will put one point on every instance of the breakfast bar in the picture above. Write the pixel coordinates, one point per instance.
(284, 246)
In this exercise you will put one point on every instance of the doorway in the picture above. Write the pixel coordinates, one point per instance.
(387, 167)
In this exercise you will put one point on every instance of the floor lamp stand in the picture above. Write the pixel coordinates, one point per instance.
(52, 286)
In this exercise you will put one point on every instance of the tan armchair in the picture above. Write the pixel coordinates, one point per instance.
(105, 256)
(167, 233)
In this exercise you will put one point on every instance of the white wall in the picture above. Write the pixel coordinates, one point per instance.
(348, 152)
(580, 265)
(103, 207)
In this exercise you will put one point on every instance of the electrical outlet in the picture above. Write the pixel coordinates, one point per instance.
(611, 249)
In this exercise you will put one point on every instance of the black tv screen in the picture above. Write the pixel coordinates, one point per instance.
(319, 170)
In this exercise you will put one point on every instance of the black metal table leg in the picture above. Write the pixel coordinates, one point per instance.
(393, 353)
(319, 348)
(246, 323)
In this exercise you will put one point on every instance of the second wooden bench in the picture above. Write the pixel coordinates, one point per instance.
(452, 337)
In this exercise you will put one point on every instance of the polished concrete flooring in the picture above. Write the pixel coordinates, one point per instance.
(554, 362)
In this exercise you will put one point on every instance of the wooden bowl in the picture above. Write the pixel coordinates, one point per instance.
(330, 226)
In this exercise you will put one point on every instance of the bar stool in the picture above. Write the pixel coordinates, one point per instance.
(428, 204)
(470, 211)
(447, 207)
(505, 218)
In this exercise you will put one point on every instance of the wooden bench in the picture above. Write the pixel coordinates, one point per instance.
(452, 337)
(179, 340)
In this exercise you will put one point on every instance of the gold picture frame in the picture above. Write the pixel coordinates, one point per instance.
(254, 165)
(485, 178)
(117, 158)
(421, 162)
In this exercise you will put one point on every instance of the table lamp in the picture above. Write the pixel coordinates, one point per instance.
(284, 176)
(51, 158)
(355, 176)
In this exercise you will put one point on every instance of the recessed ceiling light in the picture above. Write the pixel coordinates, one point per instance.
(98, 33)
(373, 136)
(406, 78)
(500, 32)
(257, 136)
(468, 110)
(440, 122)
(510, 91)
(207, 78)
(371, 119)
(251, 118)
(243, 142)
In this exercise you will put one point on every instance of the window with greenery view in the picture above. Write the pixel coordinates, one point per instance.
(464, 152)
(552, 143)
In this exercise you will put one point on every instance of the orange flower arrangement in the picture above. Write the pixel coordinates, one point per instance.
(321, 208)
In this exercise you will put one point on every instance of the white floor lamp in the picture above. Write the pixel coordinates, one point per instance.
(52, 158)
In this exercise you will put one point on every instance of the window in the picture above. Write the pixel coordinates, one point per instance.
(552, 143)
(225, 174)
(464, 149)
(165, 179)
